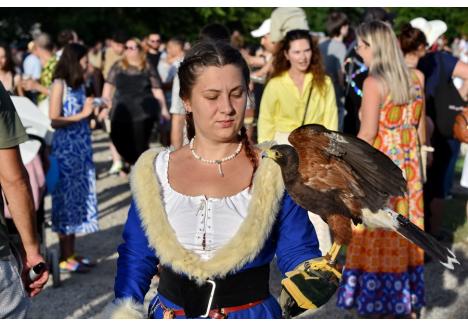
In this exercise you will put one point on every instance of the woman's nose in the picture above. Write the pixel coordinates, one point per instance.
(226, 105)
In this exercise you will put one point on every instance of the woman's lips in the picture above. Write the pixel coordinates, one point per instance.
(226, 123)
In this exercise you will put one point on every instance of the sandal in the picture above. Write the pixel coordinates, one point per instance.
(72, 266)
(84, 260)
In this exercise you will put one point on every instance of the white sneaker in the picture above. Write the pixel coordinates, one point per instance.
(116, 167)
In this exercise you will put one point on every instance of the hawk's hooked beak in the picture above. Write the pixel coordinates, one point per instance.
(269, 153)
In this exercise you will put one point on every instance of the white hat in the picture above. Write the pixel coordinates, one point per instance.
(263, 30)
(431, 29)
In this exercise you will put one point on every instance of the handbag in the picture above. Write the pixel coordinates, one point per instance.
(460, 127)
(447, 104)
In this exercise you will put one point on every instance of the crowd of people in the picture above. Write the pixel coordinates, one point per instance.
(205, 206)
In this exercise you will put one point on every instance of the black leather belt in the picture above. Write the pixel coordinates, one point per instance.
(234, 290)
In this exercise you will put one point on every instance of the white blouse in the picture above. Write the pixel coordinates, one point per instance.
(201, 224)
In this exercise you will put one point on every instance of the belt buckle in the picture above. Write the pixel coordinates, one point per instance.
(210, 300)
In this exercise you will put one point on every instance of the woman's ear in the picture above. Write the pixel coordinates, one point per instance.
(187, 106)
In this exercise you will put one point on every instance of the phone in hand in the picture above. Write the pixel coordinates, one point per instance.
(98, 101)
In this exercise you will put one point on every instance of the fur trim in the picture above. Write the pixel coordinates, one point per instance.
(126, 308)
(267, 192)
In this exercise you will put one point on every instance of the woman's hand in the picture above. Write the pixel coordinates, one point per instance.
(29, 84)
(88, 108)
(106, 103)
(104, 109)
(165, 114)
(103, 115)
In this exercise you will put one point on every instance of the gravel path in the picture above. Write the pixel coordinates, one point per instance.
(88, 295)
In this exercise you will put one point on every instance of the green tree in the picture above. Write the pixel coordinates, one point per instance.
(98, 23)
(455, 18)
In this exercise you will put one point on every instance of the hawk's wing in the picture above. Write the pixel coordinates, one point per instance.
(331, 159)
(319, 169)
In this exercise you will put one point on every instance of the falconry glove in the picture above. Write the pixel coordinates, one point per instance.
(308, 286)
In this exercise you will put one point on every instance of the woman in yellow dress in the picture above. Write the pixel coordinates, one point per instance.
(298, 80)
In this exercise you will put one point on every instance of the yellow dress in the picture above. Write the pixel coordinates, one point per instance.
(384, 272)
(282, 107)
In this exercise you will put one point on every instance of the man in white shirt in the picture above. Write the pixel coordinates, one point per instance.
(32, 69)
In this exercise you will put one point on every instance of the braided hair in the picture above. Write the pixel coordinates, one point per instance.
(212, 53)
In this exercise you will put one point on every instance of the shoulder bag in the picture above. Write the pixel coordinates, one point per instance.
(448, 103)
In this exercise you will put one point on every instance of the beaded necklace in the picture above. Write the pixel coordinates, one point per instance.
(227, 158)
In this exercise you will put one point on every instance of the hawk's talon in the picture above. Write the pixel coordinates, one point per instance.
(322, 265)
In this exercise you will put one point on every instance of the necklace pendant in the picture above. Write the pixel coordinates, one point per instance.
(220, 170)
(218, 162)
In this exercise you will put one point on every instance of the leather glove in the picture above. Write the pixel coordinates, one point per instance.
(308, 286)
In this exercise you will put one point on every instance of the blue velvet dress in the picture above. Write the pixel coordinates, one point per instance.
(292, 239)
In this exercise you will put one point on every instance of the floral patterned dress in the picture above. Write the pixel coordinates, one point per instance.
(46, 76)
(384, 271)
(74, 202)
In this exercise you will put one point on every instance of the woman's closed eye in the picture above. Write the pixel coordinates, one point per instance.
(238, 93)
(212, 97)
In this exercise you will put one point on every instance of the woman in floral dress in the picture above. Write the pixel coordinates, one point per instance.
(74, 203)
(384, 272)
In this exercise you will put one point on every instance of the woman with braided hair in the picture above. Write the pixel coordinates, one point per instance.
(211, 214)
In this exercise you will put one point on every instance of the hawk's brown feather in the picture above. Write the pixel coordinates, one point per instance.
(336, 176)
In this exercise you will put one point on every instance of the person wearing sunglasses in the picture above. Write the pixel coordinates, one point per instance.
(378, 261)
(134, 95)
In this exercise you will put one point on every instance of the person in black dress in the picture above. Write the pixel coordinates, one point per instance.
(133, 91)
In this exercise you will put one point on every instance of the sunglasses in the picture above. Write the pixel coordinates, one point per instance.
(132, 48)
(358, 47)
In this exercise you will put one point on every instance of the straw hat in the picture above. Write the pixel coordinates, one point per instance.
(432, 29)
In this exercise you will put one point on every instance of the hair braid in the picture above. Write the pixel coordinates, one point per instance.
(249, 151)
(189, 125)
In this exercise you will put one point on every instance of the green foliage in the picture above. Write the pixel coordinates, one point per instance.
(317, 17)
(98, 23)
(455, 18)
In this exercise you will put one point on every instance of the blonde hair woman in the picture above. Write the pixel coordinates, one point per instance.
(135, 91)
(384, 272)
